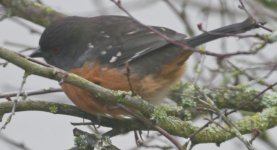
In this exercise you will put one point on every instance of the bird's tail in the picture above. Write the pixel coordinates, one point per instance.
(225, 31)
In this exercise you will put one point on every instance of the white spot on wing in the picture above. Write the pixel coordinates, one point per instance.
(118, 54)
(138, 54)
(90, 45)
(106, 36)
(109, 47)
(103, 52)
(103, 33)
(132, 32)
(113, 59)
(163, 29)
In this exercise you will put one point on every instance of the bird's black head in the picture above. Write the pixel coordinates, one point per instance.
(63, 41)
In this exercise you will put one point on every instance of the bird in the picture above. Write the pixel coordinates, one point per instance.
(120, 53)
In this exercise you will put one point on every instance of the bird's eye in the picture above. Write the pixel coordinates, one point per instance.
(55, 50)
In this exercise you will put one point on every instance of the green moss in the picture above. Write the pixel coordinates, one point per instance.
(82, 143)
(270, 100)
(272, 4)
(53, 109)
(49, 10)
(120, 95)
(159, 112)
(187, 97)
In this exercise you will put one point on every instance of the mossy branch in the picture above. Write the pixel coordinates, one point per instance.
(32, 11)
(43, 15)
(237, 97)
(212, 134)
(65, 109)
(103, 94)
(265, 120)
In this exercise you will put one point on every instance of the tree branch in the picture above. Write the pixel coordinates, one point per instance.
(173, 125)
(32, 11)
(212, 134)
(103, 94)
(30, 93)
(65, 109)
(237, 97)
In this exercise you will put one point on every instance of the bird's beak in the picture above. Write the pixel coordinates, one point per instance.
(36, 53)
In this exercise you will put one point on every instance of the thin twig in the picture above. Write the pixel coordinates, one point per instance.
(183, 17)
(231, 125)
(257, 96)
(254, 24)
(15, 101)
(13, 143)
(149, 123)
(242, 6)
(30, 93)
(26, 25)
(128, 75)
(264, 83)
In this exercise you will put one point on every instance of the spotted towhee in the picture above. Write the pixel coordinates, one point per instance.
(119, 53)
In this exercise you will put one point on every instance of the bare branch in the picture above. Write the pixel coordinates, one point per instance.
(30, 93)
(32, 11)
